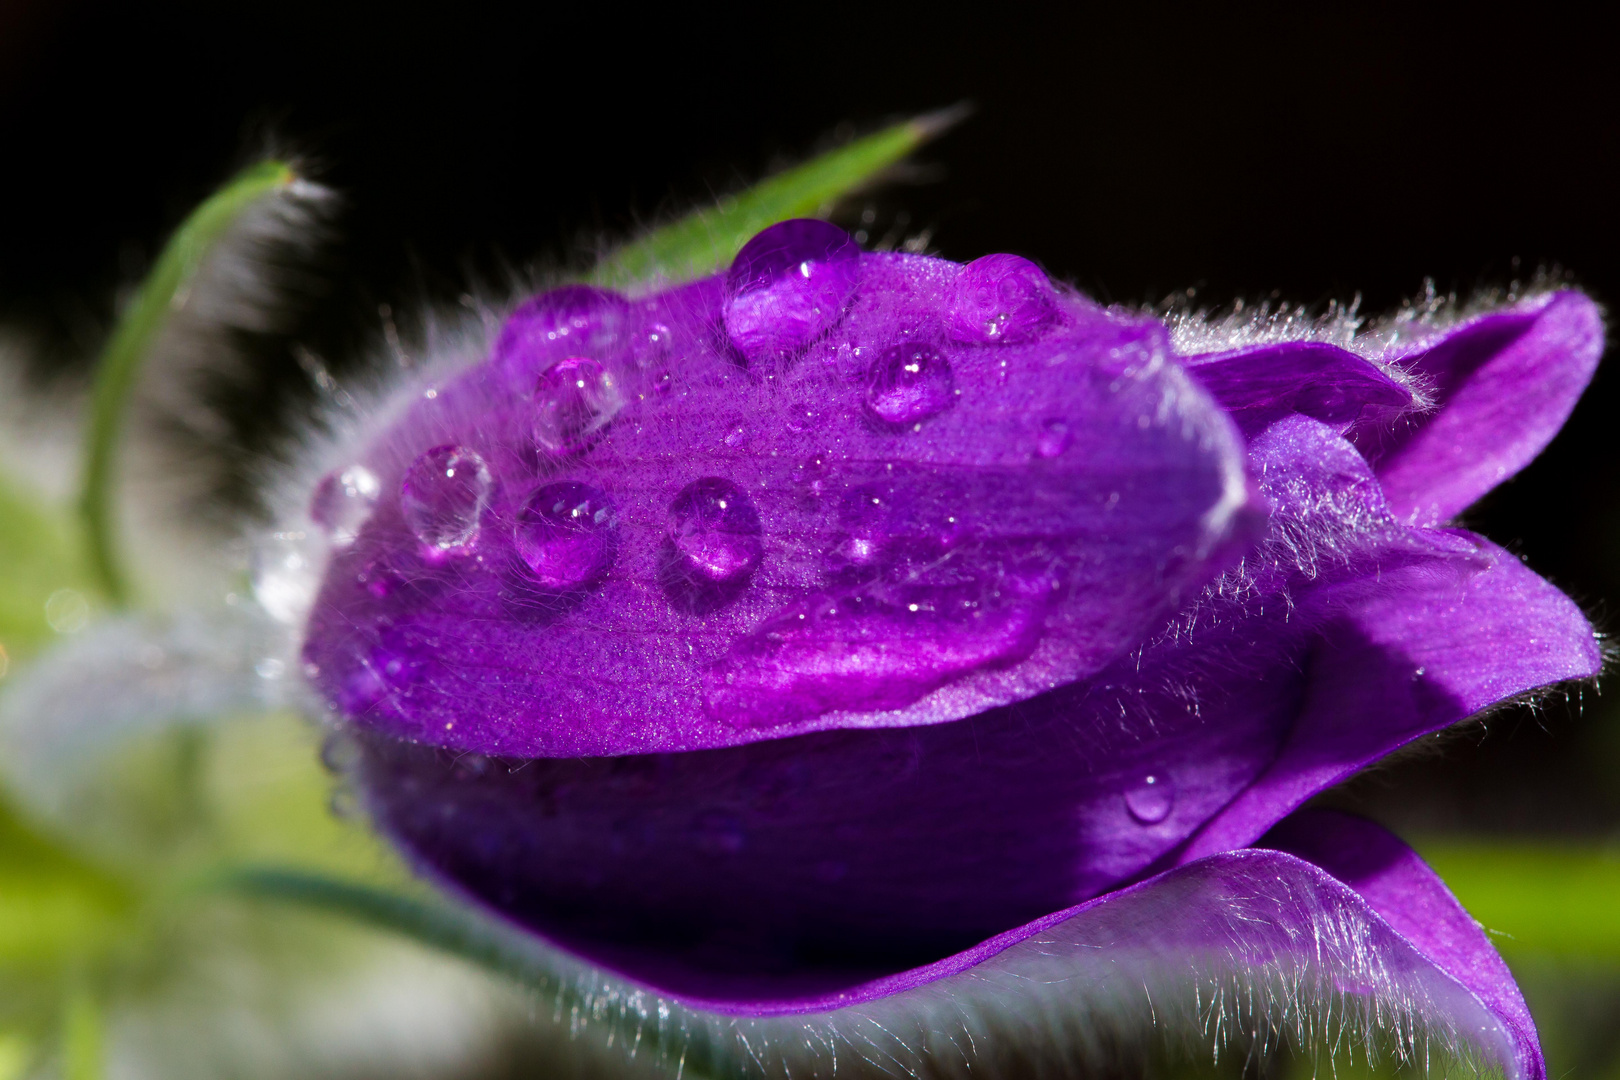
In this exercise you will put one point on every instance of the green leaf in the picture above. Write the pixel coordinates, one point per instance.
(703, 242)
(1542, 897)
(165, 288)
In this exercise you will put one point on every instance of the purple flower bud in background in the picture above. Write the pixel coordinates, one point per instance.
(852, 627)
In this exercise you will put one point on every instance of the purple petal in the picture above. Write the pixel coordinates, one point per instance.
(1504, 383)
(819, 862)
(1408, 652)
(1262, 383)
(931, 528)
(1416, 904)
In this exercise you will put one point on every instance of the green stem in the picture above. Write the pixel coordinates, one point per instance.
(165, 289)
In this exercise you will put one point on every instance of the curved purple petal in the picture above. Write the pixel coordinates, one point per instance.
(1408, 652)
(934, 528)
(820, 862)
(1262, 383)
(1504, 384)
(1416, 904)
(1237, 947)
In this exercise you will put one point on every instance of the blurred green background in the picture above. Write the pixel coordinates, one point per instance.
(1305, 155)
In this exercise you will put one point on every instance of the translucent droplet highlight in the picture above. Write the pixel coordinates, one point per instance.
(443, 497)
(286, 574)
(343, 502)
(573, 401)
(566, 535)
(787, 287)
(1000, 299)
(1151, 799)
(907, 384)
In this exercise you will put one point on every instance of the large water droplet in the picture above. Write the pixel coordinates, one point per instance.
(714, 526)
(343, 501)
(574, 400)
(714, 546)
(787, 287)
(443, 497)
(567, 535)
(286, 574)
(1151, 798)
(1000, 299)
(570, 321)
(907, 384)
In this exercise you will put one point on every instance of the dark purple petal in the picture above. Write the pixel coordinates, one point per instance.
(1409, 652)
(932, 529)
(1263, 383)
(820, 862)
(1504, 384)
(1416, 904)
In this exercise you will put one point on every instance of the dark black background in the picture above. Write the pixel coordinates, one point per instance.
(1306, 149)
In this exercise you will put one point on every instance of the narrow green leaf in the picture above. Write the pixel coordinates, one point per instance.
(706, 240)
(82, 1038)
(165, 288)
(1540, 897)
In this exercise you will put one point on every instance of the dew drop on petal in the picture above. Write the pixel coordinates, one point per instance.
(909, 383)
(1055, 437)
(567, 535)
(715, 529)
(574, 400)
(443, 497)
(343, 501)
(787, 287)
(1151, 798)
(570, 321)
(1000, 299)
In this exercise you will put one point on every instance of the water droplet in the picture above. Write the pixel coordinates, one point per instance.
(714, 545)
(344, 804)
(1055, 437)
(343, 501)
(67, 611)
(286, 574)
(716, 530)
(787, 287)
(574, 400)
(269, 668)
(567, 535)
(908, 383)
(443, 497)
(736, 437)
(572, 321)
(1000, 299)
(371, 680)
(717, 832)
(1151, 799)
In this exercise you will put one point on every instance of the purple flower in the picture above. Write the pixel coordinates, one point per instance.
(856, 635)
